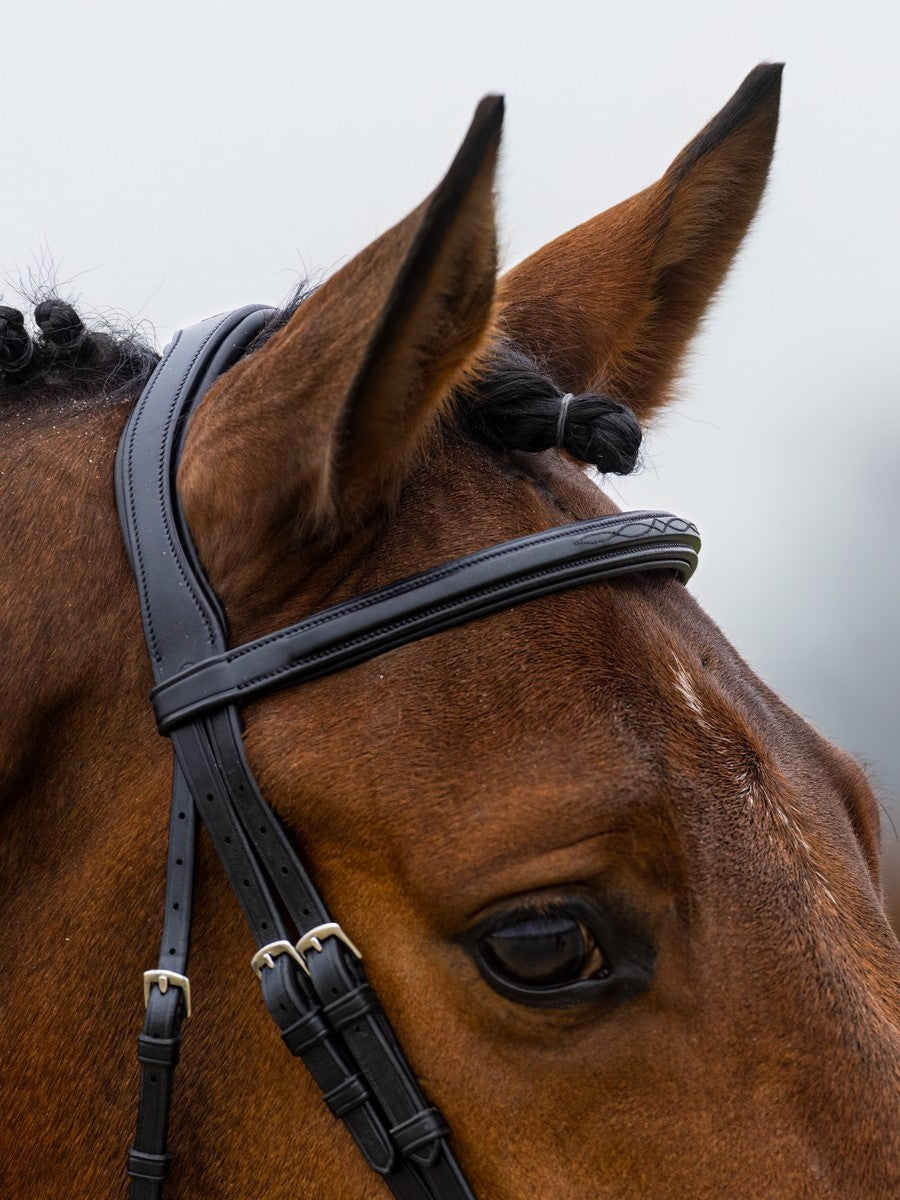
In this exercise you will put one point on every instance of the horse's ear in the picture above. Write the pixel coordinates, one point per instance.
(611, 305)
(320, 426)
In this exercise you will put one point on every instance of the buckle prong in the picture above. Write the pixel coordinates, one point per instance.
(266, 955)
(162, 979)
(313, 938)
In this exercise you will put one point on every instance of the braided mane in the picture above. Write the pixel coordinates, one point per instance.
(511, 405)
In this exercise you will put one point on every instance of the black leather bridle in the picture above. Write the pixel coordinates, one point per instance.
(312, 977)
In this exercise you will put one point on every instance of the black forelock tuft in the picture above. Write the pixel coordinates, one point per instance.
(514, 406)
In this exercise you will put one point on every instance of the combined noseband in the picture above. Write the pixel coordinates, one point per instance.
(312, 978)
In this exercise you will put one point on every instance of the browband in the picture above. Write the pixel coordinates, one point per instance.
(452, 594)
(312, 979)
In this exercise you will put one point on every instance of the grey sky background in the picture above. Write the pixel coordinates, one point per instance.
(177, 159)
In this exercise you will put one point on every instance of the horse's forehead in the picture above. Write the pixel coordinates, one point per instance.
(567, 714)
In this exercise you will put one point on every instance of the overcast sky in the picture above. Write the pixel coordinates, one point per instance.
(177, 159)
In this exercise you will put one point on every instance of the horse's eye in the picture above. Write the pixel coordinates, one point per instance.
(543, 950)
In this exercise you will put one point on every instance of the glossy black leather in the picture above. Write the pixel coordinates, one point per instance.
(159, 1042)
(331, 1017)
(451, 594)
(182, 623)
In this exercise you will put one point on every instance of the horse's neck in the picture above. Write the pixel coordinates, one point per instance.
(72, 672)
(81, 773)
(84, 783)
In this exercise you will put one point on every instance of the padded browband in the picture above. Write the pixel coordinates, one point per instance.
(452, 594)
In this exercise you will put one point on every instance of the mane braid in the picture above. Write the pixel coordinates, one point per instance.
(61, 361)
(513, 405)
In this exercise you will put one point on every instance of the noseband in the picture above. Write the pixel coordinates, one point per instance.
(312, 977)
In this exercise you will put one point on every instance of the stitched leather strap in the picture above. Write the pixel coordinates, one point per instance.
(452, 594)
(158, 1044)
(183, 623)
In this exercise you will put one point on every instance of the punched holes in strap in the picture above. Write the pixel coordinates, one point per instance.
(415, 1134)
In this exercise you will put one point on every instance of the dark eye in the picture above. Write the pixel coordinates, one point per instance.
(544, 950)
(575, 951)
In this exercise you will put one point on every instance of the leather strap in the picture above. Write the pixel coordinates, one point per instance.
(183, 622)
(158, 1044)
(452, 594)
(313, 982)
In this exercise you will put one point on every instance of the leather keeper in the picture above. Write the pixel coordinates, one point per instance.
(158, 1052)
(305, 1032)
(414, 1134)
(351, 1006)
(349, 1094)
(148, 1166)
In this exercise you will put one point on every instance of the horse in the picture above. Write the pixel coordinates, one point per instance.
(590, 778)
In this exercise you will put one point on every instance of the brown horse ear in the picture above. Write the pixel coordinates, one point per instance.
(612, 305)
(321, 425)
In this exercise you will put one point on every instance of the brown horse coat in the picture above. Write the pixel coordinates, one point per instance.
(606, 744)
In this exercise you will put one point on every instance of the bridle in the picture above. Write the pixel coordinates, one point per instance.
(312, 978)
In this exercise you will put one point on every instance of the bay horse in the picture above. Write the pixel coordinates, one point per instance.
(592, 774)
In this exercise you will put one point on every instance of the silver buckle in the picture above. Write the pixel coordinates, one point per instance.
(162, 979)
(266, 955)
(312, 940)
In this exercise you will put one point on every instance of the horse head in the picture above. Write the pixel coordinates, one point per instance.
(621, 904)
